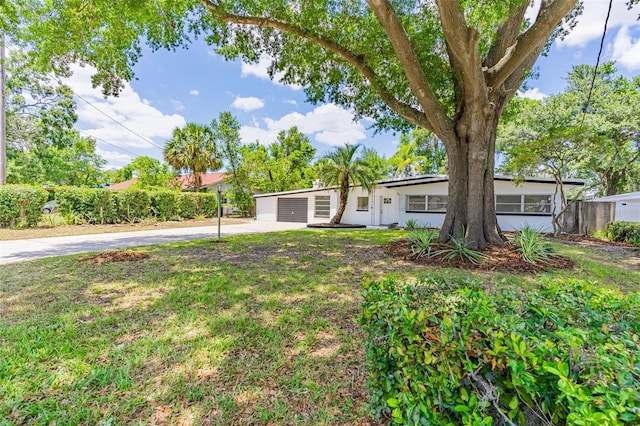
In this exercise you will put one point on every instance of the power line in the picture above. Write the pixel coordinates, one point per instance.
(595, 71)
(143, 138)
(108, 143)
(149, 141)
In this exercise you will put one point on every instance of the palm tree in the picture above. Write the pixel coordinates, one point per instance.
(342, 168)
(406, 160)
(193, 147)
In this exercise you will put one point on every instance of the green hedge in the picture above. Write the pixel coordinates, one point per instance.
(134, 205)
(626, 232)
(164, 205)
(21, 205)
(98, 205)
(444, 352)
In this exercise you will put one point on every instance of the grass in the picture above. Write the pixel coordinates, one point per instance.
(262, 329)
(53, 225)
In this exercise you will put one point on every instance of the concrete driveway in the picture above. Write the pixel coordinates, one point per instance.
(21, 250)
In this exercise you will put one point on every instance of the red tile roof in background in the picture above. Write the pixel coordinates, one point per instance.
(122, 185)
(186, 181)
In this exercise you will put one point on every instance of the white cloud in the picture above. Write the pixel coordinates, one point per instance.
(328, 124)
(290, 102)
(114, 159)
(179, 106)
(194, 92)
(247, 104)
(534, 93)
(591, 22)
(260, 69)
(626, 50)
(128, 108)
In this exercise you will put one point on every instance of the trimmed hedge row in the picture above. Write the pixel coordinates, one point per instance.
(626, 232)
(444, 352)
(21, 205)
(97, 205)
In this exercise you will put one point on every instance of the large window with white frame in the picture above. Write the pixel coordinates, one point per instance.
(322, 206)
(426, 203)
(529, 204)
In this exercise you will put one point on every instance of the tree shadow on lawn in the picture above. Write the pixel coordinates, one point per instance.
(198, 333)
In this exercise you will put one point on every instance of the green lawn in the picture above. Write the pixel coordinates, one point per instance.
(260, 329)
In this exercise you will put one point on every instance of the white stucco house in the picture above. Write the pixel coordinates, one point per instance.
(421, 198)
(627, 206)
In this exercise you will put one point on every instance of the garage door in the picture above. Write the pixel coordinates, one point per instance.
(292, 210)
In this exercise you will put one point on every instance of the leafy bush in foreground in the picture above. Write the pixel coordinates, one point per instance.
(444, 352)
(626, 232)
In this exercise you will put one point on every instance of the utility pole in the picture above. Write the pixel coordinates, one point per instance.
(3, 117)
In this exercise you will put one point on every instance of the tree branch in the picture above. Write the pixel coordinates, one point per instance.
(405, 110)
(549, 16)
(506, 39)
(464, 53)
(411, 66)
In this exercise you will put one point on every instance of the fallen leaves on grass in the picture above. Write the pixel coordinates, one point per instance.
(499, 259)
(115, 256)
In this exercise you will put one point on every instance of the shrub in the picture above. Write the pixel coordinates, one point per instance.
(626, 232)
(533, 247)
(411, 224)
(134, 205)
(207, 204)
(421, 241)
(187, 205)
(21, 205)
(459, 249)
(444, 352)
(164, 204)
(88, 205)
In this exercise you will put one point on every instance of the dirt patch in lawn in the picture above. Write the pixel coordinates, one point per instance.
(500, 259)
(115, 256)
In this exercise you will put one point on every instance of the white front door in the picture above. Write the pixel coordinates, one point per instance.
(386, 210)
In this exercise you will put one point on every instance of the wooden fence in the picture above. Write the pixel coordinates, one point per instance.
(587, 217)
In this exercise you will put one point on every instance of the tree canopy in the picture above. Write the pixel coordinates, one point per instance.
(283, 165)
(448, 66)
(42, 145)
(561, 136)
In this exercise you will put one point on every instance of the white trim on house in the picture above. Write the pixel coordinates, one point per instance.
(398, 201)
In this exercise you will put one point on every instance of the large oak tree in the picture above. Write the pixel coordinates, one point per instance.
(448, 66)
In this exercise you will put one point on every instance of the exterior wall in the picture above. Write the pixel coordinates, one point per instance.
(372, 216)
(628, 211)
(431, 220)
(266, 207)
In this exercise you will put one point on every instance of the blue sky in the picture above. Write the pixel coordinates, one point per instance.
(195, 85)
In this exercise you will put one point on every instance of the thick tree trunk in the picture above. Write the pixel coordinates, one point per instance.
(471, 205)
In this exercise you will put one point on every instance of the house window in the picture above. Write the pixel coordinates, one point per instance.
(523, 204)
(363, 204)
(423, 203)
(437, 203)
(508, 203)
(322, 206)
(416, 203)
(537, 204)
